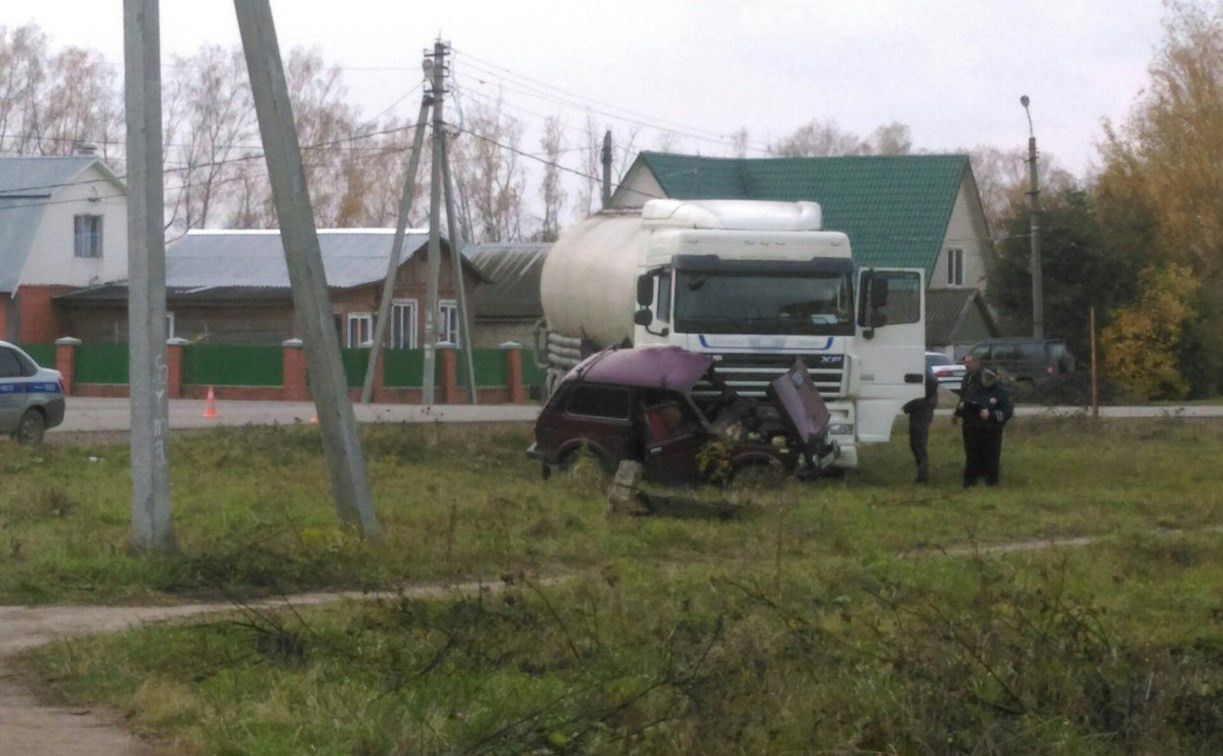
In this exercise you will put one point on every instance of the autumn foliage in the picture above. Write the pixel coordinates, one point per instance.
(1141, 343)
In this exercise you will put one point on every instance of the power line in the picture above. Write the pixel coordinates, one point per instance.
(553, 93)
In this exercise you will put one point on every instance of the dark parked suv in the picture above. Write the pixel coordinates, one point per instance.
(1029, 360)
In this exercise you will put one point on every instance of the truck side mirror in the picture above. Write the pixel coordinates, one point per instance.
(875, 299)
(879, 292)
(643, 317)
(645, 290)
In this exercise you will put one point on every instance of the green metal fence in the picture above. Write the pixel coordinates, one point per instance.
(101, 363)
(404, 368)
(233, 365)
(212, 365)
(43, 354)
(490, 367)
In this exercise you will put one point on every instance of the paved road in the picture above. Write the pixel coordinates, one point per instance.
(88, 415)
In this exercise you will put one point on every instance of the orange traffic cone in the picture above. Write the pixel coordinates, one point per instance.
(210, 405)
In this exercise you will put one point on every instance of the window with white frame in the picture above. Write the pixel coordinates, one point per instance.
(403, 324)
(87, 236)
(955, 267)
(169, 325)
(360, 329)
(448, 321)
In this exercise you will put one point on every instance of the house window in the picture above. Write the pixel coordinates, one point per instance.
(448, 325)
(87, 235)
(403, 324)
(955, 267)
(169, 325)
(360, 329)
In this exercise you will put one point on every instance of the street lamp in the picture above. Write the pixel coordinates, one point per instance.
(1038, 305)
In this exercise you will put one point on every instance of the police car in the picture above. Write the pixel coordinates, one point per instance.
(31, 397)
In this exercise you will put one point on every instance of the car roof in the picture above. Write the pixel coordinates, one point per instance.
(1017, 340)
(653, 367)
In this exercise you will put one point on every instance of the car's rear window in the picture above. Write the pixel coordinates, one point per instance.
(599, 401)
(10, 366)
(937, 359)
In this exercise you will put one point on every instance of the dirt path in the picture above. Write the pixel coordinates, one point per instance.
(28, 728)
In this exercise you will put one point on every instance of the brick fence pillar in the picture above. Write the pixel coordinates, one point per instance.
(174, 367)
(513, 371)
(294, 387)
(450, 373)
(65, 360)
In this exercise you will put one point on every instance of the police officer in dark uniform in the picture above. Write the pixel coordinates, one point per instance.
(921, 414)
(985, 407)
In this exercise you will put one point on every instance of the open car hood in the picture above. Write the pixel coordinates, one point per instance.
(800, 405)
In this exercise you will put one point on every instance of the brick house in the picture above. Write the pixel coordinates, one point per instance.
(63, 226)
(232, 287)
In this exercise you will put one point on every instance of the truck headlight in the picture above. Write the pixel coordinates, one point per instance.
(841, 429)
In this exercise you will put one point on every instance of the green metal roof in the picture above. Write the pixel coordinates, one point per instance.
(894, 208)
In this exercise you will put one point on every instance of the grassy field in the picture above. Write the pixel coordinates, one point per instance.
(867, 614)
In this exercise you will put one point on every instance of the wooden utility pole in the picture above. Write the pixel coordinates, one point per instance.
(1095, 395)
(349, 484)
(150, 406)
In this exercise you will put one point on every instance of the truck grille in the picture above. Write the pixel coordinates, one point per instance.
(748, 374)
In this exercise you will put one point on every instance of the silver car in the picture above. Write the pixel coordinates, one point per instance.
(31, 397)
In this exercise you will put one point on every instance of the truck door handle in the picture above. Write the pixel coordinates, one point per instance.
(914, 378)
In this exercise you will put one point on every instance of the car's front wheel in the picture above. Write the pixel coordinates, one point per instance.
(31, 428)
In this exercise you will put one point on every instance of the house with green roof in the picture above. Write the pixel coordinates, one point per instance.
(903, 211)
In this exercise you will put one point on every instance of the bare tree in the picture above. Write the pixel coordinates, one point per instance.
(80, 103)
(23, 61)
(738, 143)
(592, 147)
(209, 126)
(1002, 180)
(379, 155)
(487, 173)
(818, 139)
(554, 196)
(892, 139)
(51, 105)
(325, 127)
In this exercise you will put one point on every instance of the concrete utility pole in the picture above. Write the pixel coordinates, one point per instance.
(456, 271)
(437, 67)
(1038, 301)
(150, 405)
(392, 267)
(349, 484)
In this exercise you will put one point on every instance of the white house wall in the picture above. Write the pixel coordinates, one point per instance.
(52, 261)
(965, 231)
(639, 187)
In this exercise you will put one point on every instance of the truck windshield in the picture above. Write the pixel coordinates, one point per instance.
(818, 304)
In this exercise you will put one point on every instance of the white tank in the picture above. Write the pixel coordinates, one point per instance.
(588, 286)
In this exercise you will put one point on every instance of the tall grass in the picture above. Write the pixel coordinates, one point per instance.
(866, 614)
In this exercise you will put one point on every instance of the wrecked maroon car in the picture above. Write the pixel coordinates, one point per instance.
(668, 409)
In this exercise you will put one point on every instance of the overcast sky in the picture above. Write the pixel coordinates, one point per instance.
(953, 71)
